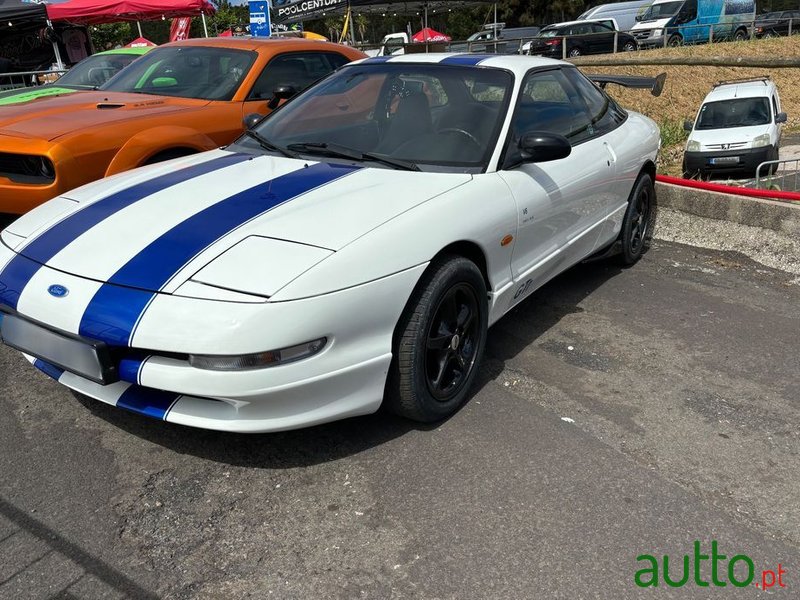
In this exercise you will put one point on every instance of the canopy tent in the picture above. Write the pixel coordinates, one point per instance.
(16, 14)
(140, 42)
(92, 12)
(293, 11)
(429, 35)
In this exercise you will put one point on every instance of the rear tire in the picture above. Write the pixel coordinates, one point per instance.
(740, 35)
(439, 341)
(637, 226)
(574, 53)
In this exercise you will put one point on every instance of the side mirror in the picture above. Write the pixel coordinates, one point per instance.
(252, 120)
(637, 18)
(687, 125)
(542, 146)
(282, 92)
(781, 117)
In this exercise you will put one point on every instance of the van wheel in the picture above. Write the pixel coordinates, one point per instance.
(674, 41)
(637, 225)
(740, 35)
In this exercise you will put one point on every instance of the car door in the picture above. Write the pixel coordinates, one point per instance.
(297, 69)
(602, 38)
(561, 204)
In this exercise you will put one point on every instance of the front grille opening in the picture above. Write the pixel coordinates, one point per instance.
(27, 168)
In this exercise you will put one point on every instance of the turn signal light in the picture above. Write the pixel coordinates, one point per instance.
(259, 360)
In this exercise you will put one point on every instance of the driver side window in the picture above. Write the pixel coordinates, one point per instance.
(549, 102)
(296, 69)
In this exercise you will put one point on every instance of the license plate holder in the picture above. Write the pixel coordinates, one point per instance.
(86, 358)
(724, 160)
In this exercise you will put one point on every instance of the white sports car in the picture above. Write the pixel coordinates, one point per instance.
(350, 250)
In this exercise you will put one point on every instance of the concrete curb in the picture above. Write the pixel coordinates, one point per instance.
(783, 217)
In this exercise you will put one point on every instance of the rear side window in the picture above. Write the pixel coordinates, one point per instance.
(297, 69)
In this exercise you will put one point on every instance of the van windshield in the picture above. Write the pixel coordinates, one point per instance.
(739, 112)
(661, 11)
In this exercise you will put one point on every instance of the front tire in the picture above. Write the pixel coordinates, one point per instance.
(675, 41)
(639, 220)
(439, 341)
(574, 53)
(630, 47)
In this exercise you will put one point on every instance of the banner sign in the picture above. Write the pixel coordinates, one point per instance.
(179, 30)
(259, 18)
(298, 10)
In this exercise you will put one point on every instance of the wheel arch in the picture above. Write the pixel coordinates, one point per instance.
(471, 251)
(649, 167)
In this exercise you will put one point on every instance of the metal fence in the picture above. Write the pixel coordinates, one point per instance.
(778, 175)
(9, 81)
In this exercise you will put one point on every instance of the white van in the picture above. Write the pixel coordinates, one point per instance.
(737, 128)
(623, 13)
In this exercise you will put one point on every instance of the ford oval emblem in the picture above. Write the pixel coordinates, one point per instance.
(59, 291)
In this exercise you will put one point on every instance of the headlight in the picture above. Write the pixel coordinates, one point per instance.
(259, 360)
(693, 146)
(761, 141)
(657, 33)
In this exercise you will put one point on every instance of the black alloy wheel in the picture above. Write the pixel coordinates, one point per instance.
(439, 341)
(637, 224)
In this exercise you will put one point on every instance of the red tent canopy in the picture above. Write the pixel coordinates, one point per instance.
(429, 35)
(110, 11)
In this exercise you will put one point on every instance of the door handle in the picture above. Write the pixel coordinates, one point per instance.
(612, 156)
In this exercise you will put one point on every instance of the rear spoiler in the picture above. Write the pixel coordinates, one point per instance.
(654, 84)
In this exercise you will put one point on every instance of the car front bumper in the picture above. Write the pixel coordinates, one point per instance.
(744, 161)
(346, 378)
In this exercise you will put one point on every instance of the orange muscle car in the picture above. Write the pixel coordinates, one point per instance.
(180, 98)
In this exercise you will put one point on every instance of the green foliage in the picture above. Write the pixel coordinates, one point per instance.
(672, 133)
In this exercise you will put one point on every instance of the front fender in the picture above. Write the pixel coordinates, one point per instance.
(150, 142)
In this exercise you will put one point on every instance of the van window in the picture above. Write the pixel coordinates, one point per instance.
(738, 112)
(775, 110)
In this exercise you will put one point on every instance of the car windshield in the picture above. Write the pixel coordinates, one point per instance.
(94, 71)
(203, 72)
(431, 116)
(739, 112)
(661, 11)
(772, 15)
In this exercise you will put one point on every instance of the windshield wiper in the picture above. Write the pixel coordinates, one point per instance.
(267, 145)
(338, 151)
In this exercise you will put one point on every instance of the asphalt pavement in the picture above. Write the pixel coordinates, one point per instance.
(619, 413)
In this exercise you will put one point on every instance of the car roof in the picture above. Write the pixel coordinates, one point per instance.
(250, 43)
(139, 50)
(745, 89)
(516, 63)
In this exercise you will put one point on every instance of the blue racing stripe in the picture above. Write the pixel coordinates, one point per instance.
(129, 368)
(20, 269)
(48, 369)
(147, 401)
(469, 60)
(377, 59)
(116, 307)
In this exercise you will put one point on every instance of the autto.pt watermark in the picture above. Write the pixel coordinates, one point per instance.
(706, 570)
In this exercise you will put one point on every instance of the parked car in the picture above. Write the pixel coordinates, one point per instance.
(178, 99)
(582, 37)
(775, 24)
(89, 74)
(737, 128)
(623, 13)
(356, 243)
(691, 22)
(498, 39)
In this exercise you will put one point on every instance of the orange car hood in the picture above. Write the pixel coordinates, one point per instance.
(51, 118)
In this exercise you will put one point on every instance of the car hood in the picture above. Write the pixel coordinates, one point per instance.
(154, 228)
(729, 135)
(651, 24)
(50, 117)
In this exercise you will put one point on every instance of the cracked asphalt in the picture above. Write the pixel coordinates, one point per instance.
(618, 413)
